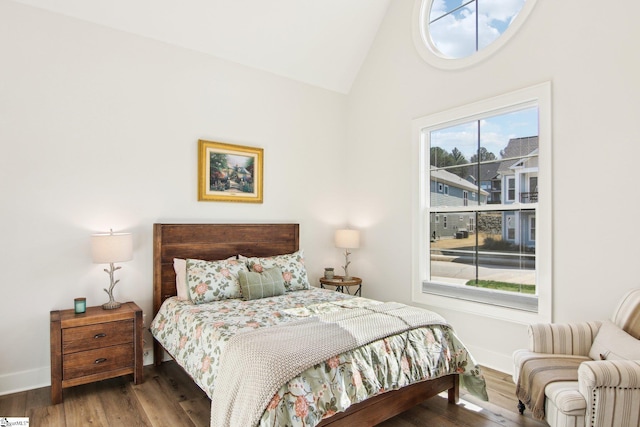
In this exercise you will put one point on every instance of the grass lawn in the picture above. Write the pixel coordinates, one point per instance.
(503, 286)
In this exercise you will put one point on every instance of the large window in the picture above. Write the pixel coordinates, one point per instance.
(496, 251)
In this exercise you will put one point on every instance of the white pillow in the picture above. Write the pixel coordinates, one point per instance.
(612, 343)
(180, 267)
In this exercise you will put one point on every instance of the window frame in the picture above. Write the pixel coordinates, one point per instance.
(532, 228)
(540, 96)
(508, 181)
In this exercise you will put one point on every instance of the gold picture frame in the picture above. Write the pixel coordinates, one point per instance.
(229, 173)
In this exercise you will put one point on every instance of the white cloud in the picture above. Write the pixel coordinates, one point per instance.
(454, 34)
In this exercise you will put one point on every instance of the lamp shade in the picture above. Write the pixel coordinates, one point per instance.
(347, 239)
(111, 247)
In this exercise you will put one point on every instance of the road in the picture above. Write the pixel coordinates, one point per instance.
(456, 272)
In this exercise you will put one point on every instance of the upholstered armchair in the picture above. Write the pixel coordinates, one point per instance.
(583, 374)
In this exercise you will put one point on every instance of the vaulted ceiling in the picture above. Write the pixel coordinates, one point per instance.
(319, 42)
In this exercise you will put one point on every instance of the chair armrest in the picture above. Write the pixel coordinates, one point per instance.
(610, 388)
(609, 373)
(563, 338)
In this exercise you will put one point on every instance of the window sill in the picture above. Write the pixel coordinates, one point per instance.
(488, 303)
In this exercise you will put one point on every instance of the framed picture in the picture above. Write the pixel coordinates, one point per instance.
(229, 173)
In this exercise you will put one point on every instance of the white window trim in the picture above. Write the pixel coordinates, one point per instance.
(429, 52)
(539, 95)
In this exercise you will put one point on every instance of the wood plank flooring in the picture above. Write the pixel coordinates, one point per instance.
(169, 398)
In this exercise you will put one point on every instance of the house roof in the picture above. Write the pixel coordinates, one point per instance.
(488, 171)
(449, 178)
(517, 147)
(300, 40)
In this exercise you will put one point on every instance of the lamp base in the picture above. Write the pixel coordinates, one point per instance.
(111, 305)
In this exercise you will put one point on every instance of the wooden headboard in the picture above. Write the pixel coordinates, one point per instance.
(213, 242)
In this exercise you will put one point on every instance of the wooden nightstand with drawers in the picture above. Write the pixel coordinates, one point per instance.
(94, 346)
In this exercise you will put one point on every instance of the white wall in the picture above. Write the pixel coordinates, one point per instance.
(99, 130)
(590, 56)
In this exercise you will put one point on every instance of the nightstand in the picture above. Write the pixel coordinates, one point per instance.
(343, 285)
(94, 346)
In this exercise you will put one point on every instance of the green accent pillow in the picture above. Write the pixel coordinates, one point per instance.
(268, 283)
(294, 273)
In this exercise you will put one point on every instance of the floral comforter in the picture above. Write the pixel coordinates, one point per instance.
(195, 335)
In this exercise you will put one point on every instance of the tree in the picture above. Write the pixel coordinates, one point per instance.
(218, 162)
(249, 166)
(440, 157)
(484, 156)
(458, 159)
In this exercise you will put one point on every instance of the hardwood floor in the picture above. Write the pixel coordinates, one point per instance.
(169, 398)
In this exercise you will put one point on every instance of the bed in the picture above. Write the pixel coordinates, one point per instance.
(228, 241)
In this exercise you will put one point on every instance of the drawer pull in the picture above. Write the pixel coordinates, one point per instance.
(102, 335)
(101, 360)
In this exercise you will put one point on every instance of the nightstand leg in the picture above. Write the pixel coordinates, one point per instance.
(138, 348)
(56, 357)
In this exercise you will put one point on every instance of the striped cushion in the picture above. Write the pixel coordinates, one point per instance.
(564, 406)
(567, 338)
(566, 397)
(627, 315)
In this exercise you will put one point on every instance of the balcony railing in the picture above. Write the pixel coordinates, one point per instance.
(531, 197)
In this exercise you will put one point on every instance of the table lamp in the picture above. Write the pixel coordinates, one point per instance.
(109, 248)
(347, 239)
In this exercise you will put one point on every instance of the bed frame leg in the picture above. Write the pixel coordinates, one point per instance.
(521, 407)
(158, 352)
(454, 391)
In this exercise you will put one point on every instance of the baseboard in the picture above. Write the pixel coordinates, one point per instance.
(25, 380)
(491, 359)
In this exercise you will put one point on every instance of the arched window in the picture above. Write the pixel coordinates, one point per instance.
(456, 33)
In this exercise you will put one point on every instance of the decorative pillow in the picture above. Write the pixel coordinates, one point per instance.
(269, 283)
(294, 272)
(213, 280)
(180, 267)
(612, 343)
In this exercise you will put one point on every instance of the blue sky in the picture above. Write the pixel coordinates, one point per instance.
(495, 132)
(454, 34)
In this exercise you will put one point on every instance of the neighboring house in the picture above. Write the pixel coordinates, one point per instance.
(518, 174)
(490, 182)
(447, 189)
(514, 179)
